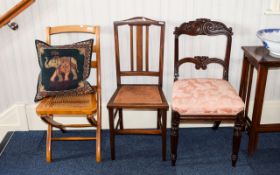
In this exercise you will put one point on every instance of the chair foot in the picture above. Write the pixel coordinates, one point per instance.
(233, 160)
(173, 159)
(98, 159)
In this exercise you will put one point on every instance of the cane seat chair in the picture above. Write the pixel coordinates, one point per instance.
(138, 96)
(88, 105)
(205, 99)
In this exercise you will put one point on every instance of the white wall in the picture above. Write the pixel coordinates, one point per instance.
(18, 62)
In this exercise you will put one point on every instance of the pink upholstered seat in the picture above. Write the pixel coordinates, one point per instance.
(205, 96)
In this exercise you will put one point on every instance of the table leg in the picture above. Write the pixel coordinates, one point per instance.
(245, 87)
(257, 110)
(244, 78)
(247, 100)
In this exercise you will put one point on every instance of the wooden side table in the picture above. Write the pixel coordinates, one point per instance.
(256, 57)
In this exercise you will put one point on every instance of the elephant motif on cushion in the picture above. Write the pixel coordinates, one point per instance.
(63, 67)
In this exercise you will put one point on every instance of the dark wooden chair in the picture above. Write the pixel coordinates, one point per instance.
(205, 99)
(138, 96)
(88, 105)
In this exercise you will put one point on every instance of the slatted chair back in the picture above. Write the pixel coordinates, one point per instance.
(203, 27)
(139, 66)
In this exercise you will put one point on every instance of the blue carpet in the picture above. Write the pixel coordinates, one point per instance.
(201, 151)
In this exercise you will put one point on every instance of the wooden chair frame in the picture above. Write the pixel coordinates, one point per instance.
(208, 28)
(47, 116)
(117, 108)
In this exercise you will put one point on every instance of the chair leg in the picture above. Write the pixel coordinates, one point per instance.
(112, 133)
(158, 118)
(92, 120)
(238, 126)
(98, 138)
(174, 136)
(216, 125)
(121, 118)
(48, 119)
(163, 134)
(49, 144)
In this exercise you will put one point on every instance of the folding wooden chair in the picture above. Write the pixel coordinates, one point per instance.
(88, 105)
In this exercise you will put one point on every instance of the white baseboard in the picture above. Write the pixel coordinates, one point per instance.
(13, 119)
(22, 117)
(270, 113)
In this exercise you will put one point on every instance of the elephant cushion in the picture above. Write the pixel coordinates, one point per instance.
(64, 69)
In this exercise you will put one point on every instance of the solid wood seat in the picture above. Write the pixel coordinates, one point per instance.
(88, 106)
(138, 96)
(197, 99)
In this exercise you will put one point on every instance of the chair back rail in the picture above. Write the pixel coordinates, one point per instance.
(207, 27)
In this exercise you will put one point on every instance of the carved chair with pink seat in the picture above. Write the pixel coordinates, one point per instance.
(205, 99)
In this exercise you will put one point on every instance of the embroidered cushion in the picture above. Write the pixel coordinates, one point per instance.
(205, 96)
(64, 69)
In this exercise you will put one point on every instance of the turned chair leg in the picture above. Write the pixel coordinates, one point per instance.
(174, 136)
(49, 144)
(238, 126)
(163, 134)
(112, 133)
